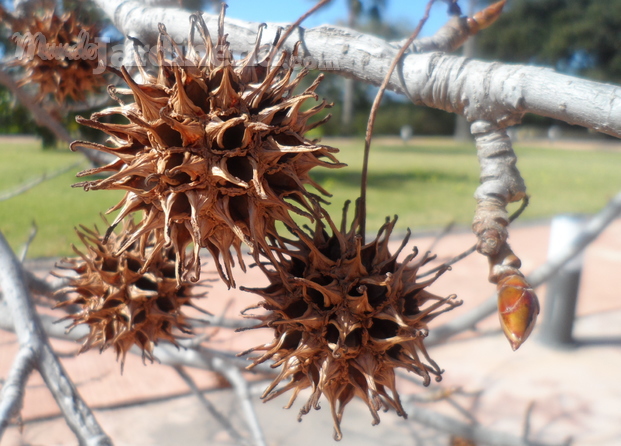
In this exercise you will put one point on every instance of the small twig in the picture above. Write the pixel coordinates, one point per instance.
(362, 209)
(31, 236)
(12, 395)
(297, 23)
(221, 322)
(462, 410)
(234, 376)
(41, 287)
(27, 185)
(527, 416)
(445, 231)
(210, 407)
(216, 323)
(456, 427)
(473, 248)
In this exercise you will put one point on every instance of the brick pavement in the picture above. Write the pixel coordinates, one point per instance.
(568, 393)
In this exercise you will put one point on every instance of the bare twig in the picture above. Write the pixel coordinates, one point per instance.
(13, 389)
(362, 205)
(210, 407)
(477, 433)
(242, 390)
(31, 236)
(458, 29)
(27, 185)
(527, 417)
(40, 115)
(445, 231)
(43, 118)
(31, 335)
(590, 232)
(41, 287)
(473, 248)
(297, 23)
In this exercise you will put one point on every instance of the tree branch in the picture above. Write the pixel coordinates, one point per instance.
(43, 118)
(476, 433)
(224, 422)
(40, 115)
(27, 185)
(31, 336)
(545, 272)
(12, 395)
(494, 92)
(234, 376)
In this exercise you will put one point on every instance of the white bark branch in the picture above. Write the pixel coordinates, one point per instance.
(494, 92)
(242, 390)
(31, 336)
(12, 396)
(224, 422)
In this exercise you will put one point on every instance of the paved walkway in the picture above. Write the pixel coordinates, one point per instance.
(558, 394)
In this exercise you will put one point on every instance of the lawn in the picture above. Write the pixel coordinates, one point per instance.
(428, 183)
(54, 205)
(431, 182)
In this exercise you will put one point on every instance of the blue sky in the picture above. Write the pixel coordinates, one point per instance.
(403, 11)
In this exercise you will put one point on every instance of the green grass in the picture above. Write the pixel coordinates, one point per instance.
(54, 205)
(432, 182)
(428, 183)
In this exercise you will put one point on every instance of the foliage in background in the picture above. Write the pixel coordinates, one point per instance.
(394, 113)
(573, 36)
(428, 183)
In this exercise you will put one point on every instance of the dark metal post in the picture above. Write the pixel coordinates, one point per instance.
(562, 293)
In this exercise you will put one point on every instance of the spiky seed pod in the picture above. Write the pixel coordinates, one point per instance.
(125, 300)
(345, 316)
(57, 54)
(214, 152)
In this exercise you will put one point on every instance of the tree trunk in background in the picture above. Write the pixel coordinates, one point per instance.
(462, 126)
(347, 114)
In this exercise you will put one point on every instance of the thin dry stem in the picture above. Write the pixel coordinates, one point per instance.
(373, 114)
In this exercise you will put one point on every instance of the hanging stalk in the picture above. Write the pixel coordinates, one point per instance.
(362, 208)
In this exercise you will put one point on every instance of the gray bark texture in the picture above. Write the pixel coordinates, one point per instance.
(495, 92)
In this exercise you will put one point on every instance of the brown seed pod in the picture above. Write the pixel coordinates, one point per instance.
(214, 150)
(345, 316)
(125, 300)
(57, 53)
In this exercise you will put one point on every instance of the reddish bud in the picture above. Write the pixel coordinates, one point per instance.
(518, 308)
(486, 17)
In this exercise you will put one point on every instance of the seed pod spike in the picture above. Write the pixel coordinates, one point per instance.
(202, 163)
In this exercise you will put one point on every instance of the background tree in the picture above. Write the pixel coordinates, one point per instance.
(573, 36)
